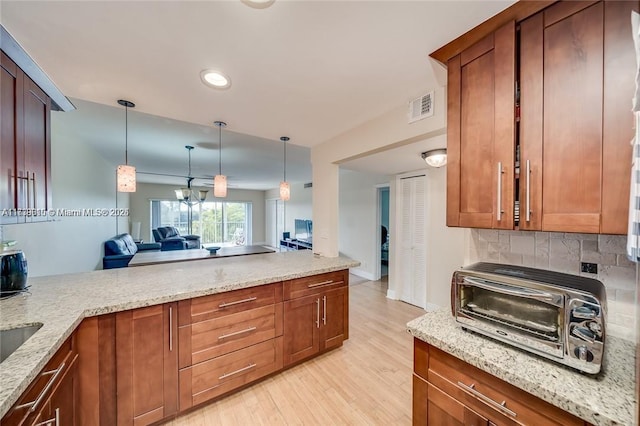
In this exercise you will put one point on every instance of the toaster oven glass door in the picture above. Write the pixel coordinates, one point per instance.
(525, 316)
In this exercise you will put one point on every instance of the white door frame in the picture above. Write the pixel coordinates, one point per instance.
(377, 272)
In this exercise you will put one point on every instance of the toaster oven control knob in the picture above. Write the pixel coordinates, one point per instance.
(584, 333)
(584, 312)
(583, 354)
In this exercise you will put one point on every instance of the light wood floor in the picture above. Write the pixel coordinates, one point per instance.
(365, 382)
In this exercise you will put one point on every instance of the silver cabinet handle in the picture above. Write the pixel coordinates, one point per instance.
(320, 284)
(34, 191)
(499, 197)
(34, 404)
(318, 313)
(237, 302)
(248, 367)
(324, 310)
(170, 329)
(527, 214)
(28, 190)
(246, 330)
(500, 406)
(54, 421)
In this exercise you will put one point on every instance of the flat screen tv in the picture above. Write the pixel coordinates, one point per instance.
(303, 231)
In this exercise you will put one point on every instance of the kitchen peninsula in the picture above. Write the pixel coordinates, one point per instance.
(187, 295)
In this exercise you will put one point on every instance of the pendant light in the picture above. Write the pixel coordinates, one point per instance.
(188, 195)
(285, 189)
(126, 174)
(220, 180)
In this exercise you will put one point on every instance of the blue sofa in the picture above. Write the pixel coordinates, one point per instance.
(119, 250)
(170, 239)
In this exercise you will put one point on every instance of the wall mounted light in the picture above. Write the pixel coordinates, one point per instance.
(435, 157)
(126, 174)
(285, 189)
(220, 180)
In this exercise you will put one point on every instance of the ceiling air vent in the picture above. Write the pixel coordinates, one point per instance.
(421, 107)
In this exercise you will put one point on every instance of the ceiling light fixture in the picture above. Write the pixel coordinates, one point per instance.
(435, 157)
(187, 195)
(285, 189)
(215, 79)
(258, 4)
(220, 180)
(126, 174)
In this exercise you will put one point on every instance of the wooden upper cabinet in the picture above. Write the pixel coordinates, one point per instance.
(574, 65)
(576, 72)
(572, 135)
(25, 144)
(481, 133)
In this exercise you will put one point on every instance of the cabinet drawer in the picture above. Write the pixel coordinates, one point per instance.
(209, 379)
(306, 286)
(209, 339)
(503, 403)
(29, 406)
(218, 305)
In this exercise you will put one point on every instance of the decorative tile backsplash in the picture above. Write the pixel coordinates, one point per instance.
(564, 252)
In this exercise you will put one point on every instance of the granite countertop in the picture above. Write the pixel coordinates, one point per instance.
(606, 399)
(60, 302)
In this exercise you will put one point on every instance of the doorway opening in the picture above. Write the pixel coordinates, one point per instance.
(383, 231)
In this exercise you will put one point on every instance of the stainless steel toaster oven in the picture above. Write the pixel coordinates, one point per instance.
(555, 315)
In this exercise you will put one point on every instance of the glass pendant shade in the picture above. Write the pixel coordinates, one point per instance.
(202, 194)
(220, 186)
(126, 174)
(285, 191)
(126, 177)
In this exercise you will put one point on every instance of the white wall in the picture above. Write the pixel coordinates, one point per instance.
(141, 207)
(298, 207)
(387, 131)
(357, 213)
(81, 179)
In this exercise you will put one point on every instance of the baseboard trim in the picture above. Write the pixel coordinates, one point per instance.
(391, 294)
(362, 274)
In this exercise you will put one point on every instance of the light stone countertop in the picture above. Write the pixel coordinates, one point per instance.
(60, 302)
(607, 399)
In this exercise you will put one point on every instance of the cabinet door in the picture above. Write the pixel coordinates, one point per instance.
(335, 320)
(618, 123)
(573, 91)
(481, 133)
(37, 148)
(301, 328)
(146, 364)
(10, 101)
(63, 402)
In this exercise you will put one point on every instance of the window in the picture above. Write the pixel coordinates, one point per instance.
(217, 223)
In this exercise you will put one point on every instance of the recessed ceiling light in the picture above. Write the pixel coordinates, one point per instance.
(258, 4)
(215, 79)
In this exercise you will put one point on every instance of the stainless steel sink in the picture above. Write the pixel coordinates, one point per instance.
(11, 339)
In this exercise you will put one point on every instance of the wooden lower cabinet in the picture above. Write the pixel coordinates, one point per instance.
(207, 380)
(147, 364)
(52, 398)
(318, 318)
(448, 391)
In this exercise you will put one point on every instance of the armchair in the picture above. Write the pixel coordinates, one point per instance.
(170, 239)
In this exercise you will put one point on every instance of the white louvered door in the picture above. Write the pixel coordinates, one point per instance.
(412, 233)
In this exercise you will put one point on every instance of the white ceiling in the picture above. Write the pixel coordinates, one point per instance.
(306, 69)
